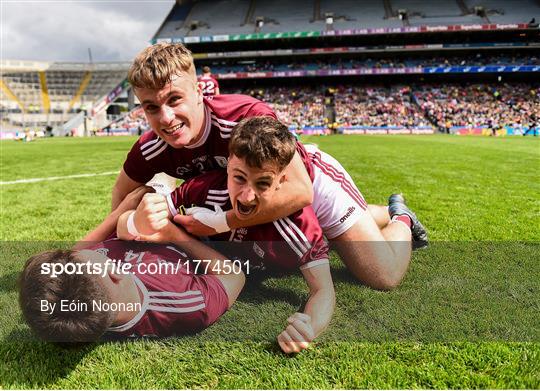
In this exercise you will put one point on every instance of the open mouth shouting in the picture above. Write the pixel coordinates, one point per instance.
(177, 129)
(245, 210)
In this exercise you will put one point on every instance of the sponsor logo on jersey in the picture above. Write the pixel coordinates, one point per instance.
(259, 251)
(348, 214)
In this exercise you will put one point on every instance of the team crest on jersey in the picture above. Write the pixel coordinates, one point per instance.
(221, 161)
(238, 234)
(183, 170)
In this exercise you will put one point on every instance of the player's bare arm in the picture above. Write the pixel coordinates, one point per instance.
(304, 327)
(233, 281)
(296, 193)
(122, 187)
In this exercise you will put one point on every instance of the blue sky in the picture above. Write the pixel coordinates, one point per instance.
(59, 30)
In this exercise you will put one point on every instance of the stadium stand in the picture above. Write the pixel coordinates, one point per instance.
(276, 15)
(351, 14)
(377, 106)
(324, 65)
(446, 107)
(500, 11)
(275, 65)
(299, 108)
(202, 18)
(41, 93)
(423, 13)
(452, 107)
(174, 21)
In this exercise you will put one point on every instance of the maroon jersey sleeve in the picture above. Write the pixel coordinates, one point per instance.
(138, 165)
(304, 234)
(305, 159)
(205, 190)
(236, 107)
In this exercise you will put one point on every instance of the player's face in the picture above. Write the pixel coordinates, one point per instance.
(176, 111)
(110, 284)
(251, 189)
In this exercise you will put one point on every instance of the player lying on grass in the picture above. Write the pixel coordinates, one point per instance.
(149, 291)
(191, 134)
(377, 252)
(256, 172)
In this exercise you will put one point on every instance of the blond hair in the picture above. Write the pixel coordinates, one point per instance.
(156, 65)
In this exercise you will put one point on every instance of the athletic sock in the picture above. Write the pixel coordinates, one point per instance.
(405, 219)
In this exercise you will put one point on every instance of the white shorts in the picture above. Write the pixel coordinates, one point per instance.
(337, 202)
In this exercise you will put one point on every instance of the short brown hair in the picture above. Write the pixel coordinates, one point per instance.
(206, 69)
(156, 65)
(62, 326)
(261, 140)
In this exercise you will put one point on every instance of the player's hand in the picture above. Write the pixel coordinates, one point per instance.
(169, 233)
(133, 199)
(297, 335)
(203, 222)
(152, 214)
(193, 226)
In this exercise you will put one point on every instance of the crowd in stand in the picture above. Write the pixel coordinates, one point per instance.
(478, 59)
(377, 106)
(442, 106)
(296, 107)
(493, 106)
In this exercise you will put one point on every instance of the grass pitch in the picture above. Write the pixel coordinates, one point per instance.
(466, 315)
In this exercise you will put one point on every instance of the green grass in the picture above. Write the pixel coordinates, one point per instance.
(466, 315)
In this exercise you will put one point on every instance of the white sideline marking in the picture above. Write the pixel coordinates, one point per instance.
(55, 178)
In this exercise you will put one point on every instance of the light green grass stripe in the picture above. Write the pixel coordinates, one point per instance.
(56, 178)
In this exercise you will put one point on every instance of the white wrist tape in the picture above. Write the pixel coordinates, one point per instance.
(214, 219)
(162, 183)
(131, 225)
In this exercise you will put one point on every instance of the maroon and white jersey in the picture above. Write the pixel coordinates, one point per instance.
(208, 85)
(286, 244)
(174, 303)
(151, 154)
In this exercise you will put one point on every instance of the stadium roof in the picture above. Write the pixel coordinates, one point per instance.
(7, 66)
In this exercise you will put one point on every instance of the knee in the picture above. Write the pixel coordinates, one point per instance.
(382, 280)
(386, 284)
